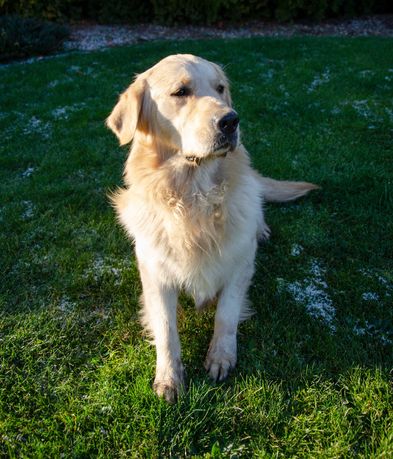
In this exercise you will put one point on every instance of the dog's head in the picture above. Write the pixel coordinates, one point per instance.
(184, 103)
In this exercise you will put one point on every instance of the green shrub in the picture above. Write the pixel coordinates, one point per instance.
(24, 37)
(183, 12)
(131, 11)
(44, 9)
(213, 11)
(287, 10)
(98, 10)
(192, 11)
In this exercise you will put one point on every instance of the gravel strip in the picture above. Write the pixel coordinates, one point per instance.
(89, 37)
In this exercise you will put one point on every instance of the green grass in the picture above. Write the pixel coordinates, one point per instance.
(313, 375)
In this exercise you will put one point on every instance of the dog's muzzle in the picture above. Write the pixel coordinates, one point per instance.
(228, 124)
(226, 139)
(228, 133)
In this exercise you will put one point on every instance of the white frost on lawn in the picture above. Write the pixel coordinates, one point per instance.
(65, 80)
(106, 267)
(268, 75)
(370, 296)
(319, 80)
(60, 112)
(64, 112)
(283, 90)
(362, 108)
(366, 73)
(29, 210)
(74, 69)
(28, 172)
(296, 250)
(35, 125)
(312, 293)
(335, 111)
(66, 305)
(86, 71)
(372, 330)
(388, 285)
(367, 109)
(247, 88)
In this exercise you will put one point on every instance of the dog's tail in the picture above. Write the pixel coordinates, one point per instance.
(282, 191)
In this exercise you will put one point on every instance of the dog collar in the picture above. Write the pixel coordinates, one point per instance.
(197, 160)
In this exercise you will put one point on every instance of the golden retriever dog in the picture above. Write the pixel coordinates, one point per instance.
(192, 205)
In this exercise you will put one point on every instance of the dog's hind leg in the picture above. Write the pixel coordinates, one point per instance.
(159, 318)
(231, 308)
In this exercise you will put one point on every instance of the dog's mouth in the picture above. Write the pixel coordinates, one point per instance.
(221, 147)
(225, 143)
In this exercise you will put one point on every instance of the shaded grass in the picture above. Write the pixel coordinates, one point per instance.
(76, 372)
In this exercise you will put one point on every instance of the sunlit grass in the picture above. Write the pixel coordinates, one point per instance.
(313, 375)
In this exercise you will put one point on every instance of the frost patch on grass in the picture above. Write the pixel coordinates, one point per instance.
(29, 210)
(65, 305)
(268, 75)
(63, 113)
(27, 173)
(375, 330)
(362, 109)
(111, 268)
(366, 73)
(263, 61)
(55, 83)
(284, 90)
(235, 451)
(74, 69)
(60, 112)
(319, 80)
(370, 296)
(37, 126)
(98, 314)
(246, 88)
(88, 71)
(381, 280)
(264, 141)
(290, 209)
(312, 293)
(296, 250)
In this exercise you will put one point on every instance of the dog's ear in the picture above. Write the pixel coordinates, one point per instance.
(124, 117)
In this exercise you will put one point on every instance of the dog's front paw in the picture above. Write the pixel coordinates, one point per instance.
(169, 383)
(168, 390)
(221, 357)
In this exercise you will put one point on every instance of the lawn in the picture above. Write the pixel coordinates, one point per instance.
(314, 372)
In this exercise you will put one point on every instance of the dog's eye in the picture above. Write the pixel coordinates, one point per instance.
(220, 89)
(182, 92)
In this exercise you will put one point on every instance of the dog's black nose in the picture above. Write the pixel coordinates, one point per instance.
(228, 123)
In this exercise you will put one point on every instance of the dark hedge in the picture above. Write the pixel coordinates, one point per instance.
(24, 37)
(192, 11)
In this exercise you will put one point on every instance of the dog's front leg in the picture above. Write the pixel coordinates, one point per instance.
(231, 307)
(159, 318)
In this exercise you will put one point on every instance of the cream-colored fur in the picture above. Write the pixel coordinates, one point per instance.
(192, 205)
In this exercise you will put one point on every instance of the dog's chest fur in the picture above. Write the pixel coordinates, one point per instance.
(195, 228)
